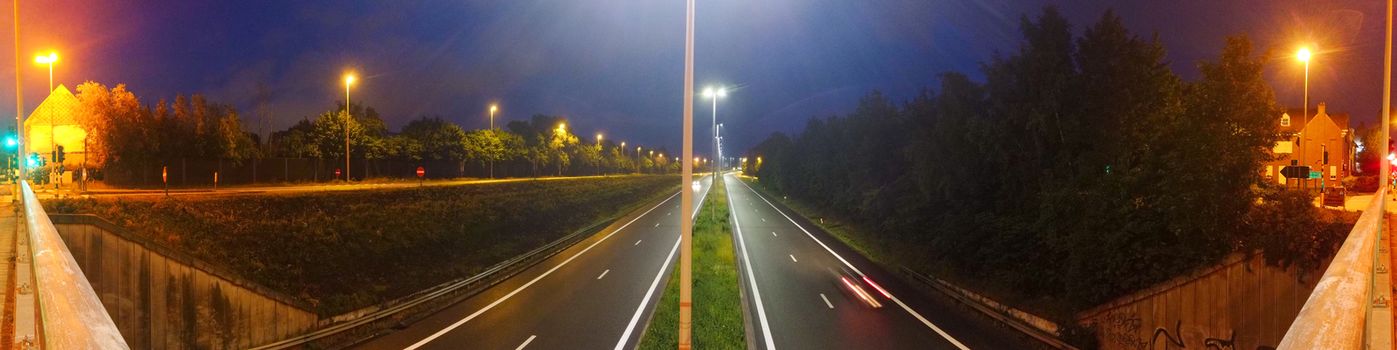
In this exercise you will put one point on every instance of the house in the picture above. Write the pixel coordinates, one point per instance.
(1320, 140)
(54, 124)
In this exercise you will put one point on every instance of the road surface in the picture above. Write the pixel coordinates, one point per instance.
(791, 270)
(597, 294)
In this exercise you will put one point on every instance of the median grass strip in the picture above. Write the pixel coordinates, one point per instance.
(717, 318)
(344, 250)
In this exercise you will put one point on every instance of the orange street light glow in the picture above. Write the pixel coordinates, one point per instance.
(1303, 55)
(46, 59)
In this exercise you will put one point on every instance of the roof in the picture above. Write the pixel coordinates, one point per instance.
(60, 105)
(1341, 120)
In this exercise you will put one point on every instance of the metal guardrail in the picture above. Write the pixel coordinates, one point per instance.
(1028, 324)
(70, 314)
(1343, 307)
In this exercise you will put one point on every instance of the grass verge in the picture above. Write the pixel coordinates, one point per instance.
(340, 251)
(717, 318)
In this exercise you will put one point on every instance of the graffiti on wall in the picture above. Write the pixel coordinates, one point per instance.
(1123, 330)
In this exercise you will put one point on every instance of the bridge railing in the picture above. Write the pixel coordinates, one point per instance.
(1349, 308)
(70, 316)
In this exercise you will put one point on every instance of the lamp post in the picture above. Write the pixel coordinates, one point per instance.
(348, 81)
(1384, 171)
(715, 94)
(1304, 56)
(686, 198)
(49, 60)
(19, 103)
(493, 108)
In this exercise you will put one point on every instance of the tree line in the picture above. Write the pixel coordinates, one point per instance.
(1082, 168)
(124, 134)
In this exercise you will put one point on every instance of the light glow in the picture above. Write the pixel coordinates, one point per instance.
(46, 59)
(1303, 55)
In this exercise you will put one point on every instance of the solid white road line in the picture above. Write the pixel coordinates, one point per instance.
(621, 344)
(630, 328)
(773, 234)
(492, 305)
(752, 280)
(894, 298)
(526, 342)
(603, 273)
(637, 242)
(822, 296)
(793, 257)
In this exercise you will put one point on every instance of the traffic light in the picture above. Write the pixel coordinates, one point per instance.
(59, 155)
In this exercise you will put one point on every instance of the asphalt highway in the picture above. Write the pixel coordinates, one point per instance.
(596, 294)
(793, 277)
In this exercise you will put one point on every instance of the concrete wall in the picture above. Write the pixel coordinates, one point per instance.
(1238, 304)
(161, 299)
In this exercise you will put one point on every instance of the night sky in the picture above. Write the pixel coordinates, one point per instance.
(615, 66)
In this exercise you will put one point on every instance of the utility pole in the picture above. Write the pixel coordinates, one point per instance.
(686, 194)
(19, 104)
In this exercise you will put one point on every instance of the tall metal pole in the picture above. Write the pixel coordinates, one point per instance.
(686, 194)
(19, 103)
(492, 133)
(1305, 115)
(347, 117)
(53, 142)
(1385, 170)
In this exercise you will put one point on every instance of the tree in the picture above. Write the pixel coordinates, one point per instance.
(438, 140)
(488, 146)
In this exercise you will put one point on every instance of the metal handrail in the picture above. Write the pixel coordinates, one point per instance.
(1335, 314)
(71, 315)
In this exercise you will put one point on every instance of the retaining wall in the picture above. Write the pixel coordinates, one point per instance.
(161, 299)
(1239, 304)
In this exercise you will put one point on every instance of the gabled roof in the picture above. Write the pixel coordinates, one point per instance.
(60, 105)
(1341, 120)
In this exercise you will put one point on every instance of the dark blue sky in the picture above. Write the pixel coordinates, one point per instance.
(615, 66)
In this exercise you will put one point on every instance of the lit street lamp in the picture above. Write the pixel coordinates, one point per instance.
(348, 81)
(714, 94)
(49, 60)
(1304, 56)
(493, 108)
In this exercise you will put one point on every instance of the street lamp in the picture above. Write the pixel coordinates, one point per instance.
(348, 81)
(714, 94)
(493, 108)
(49, 60)
(1304, 56)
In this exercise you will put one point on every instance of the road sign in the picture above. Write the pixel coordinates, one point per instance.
(1295, 171)
(421, 172)
(337, 173)
(165, 174)
(1315, 174)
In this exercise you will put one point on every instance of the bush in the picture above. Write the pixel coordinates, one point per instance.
(1365, 184)
(1289, 230)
